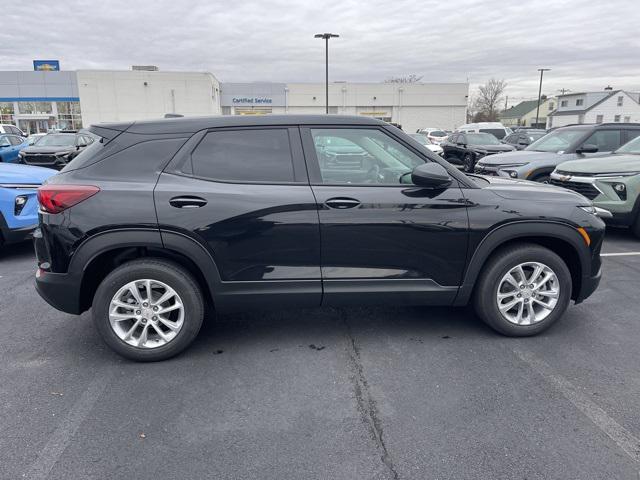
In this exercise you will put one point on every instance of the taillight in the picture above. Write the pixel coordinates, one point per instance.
(57, 198)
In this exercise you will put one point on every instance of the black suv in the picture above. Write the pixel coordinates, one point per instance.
(55, 150)
(467, 148)
(161, 221)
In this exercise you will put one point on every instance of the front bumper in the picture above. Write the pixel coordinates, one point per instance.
(600, 190)
(588, 285)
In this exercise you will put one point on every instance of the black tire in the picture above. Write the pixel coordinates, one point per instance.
(170, 273)
(486, 303)
(635, 228)
(468, 163)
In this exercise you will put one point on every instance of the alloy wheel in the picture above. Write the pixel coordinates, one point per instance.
(528, 293)
(146, 313)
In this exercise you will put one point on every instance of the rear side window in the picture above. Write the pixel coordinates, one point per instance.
(251, 155)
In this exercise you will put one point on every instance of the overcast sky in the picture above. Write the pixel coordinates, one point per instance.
(587, 44)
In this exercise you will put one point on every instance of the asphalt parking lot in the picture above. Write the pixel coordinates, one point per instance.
(362, 393)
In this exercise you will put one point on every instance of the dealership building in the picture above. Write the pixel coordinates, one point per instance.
(38, 101)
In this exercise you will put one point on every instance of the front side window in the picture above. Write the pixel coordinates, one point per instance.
(15, 140)
(633, 146)
(606, 140)
(362, 156)
(4, 141)
(249, 155)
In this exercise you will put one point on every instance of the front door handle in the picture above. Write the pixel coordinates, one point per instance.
(342, 203)
(187, 202)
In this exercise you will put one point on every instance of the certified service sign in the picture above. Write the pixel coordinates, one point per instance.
(46, 65)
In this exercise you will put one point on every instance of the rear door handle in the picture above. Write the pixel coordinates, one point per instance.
(342, 203)
(187, 202)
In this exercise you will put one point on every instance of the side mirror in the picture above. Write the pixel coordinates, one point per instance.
(431, 175)
(587, 148)
(81, 145)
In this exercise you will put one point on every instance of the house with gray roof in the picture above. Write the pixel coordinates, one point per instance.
(595, 107)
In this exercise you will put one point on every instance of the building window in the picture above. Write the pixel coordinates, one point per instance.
(599, 118)
(620, 100)
(579, 102)
(627, 119)
(551, 106)
(616, 118)
(69, 115)
(564, 103)
(6, 112)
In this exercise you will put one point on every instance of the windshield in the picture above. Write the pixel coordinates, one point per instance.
(632, 147)
(535, 136)
(421, 138)
(496, 132)
(57, 141)
(481, 139)
(557, 141)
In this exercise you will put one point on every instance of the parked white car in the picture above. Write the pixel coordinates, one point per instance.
(494, 128)
(424, 140)
(11, 129)
(435, 135)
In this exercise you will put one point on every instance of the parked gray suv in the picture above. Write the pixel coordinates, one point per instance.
(574, 142)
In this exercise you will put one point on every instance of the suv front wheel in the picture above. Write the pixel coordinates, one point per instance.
(523, 290)
(148, 309)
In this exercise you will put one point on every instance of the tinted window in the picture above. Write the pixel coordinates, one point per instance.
(511, 138)
(244, 155)
(373, 157)
(496, 132)
(606, 140)
(557, 141)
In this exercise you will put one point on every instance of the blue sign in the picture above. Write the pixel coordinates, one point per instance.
(46, 65)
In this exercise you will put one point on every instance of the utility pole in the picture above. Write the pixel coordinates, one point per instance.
(541, 70)
(506, 102)
(326, 37)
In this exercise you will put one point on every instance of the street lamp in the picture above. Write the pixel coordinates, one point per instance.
(326, 37)
(541, 70)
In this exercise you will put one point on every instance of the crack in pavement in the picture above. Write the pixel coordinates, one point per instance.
(366, 403)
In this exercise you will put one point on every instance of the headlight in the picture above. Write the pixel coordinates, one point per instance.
(597, 211)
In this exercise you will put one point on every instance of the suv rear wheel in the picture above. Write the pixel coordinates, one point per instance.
(523, 290)
(148, 309)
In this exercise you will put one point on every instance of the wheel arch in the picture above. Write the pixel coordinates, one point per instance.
(562, 239)
(99, 255)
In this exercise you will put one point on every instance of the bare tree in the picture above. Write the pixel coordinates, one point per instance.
(412, 78)
(489, 98)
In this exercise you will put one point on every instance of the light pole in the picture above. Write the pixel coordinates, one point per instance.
(541, 70)
(326, 37)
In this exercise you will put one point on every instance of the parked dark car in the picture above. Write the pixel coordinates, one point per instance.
(467, 148)
(576, 142)
(55, 150)
(161, 221)
(523, 138)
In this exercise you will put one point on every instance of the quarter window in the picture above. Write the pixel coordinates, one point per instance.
(362, 156)
(251, 155)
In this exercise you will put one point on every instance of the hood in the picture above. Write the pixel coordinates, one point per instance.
(492, 148)
(616, 163)
(533, 191)
(522, 156)
(48, 149)
(13, 173)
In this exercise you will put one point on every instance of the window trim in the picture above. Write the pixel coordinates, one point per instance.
(182, 163)
(313, 165)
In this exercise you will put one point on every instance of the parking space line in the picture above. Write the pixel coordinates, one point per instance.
(59, 440)
(629, 443)
(621, 254)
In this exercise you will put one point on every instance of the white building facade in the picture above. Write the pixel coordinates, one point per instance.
(618, 106)
(414, 106)
(44, 101)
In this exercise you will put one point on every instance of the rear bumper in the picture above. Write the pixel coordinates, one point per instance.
(60, 290)
(14, 235)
